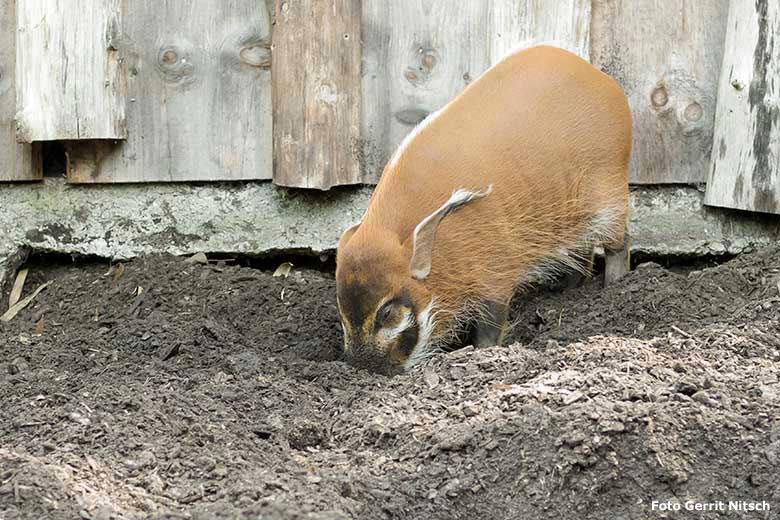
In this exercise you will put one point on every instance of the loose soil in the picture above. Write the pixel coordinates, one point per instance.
(166, 389)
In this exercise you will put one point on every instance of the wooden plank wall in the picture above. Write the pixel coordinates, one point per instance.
(524, 23)
(17, 161)
(667, 55)
(199, 96)
(68, 82)
(350, 86)
(316, 84)
(745, 172)
(418, 55)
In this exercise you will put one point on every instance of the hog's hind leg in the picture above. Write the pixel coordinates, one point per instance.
(617, 261)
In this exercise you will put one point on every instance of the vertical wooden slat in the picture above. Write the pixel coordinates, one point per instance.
(667, 56)
(68, 80)
(745, 171)
(417, 56)
(17, 161)
(316, 84)
(524, 23)
(199, 96)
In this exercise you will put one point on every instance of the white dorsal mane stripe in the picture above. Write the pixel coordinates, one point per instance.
(411, 135)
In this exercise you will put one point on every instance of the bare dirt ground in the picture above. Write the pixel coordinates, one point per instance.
(165, 389)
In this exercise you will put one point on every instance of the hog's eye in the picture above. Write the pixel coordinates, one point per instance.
(385, 312)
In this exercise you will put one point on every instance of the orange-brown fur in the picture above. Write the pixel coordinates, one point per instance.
(552, 136)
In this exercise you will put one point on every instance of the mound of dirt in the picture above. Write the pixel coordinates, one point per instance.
(167, 389)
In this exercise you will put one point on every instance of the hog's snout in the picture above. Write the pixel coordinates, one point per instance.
(371, 359)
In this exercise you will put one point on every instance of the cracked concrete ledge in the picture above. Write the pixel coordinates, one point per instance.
(124, 221)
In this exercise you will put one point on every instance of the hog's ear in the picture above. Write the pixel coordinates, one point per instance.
(425, 232)
(348, 234)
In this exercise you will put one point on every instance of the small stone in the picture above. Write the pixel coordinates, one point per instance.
(198, 258)
(143, 460)
(432, 379)
(717, 247)
(574, 439)
(18, 366)
(470, 410)
(702, 397)
(78, 418)
(457, 373)
(739, 245)
(452, 488)
(455, 440)
(610, 426)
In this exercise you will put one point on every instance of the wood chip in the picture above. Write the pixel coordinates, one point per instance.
(572, 397)
(680, 331)
(118, 272)
(283, 270)
(39, 327)
(19, 306)
(169, 351)
(16, 292)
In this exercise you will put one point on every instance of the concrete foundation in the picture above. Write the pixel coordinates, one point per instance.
(123, 221)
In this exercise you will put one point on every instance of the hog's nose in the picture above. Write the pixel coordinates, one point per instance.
(372, 360)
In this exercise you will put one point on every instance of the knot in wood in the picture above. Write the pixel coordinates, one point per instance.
(175, 65)
(423, 64)
(256, 55)
(694, 111)
(659, 97)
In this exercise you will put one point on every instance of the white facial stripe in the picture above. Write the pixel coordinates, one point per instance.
(421, 350)
(389, 334)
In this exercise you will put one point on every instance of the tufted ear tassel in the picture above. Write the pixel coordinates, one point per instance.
(425, 232)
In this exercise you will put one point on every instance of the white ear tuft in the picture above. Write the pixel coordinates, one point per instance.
(425, 232)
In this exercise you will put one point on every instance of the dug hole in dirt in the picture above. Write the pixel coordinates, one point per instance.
(166, 389)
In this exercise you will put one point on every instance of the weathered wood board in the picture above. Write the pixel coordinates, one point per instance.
(525, 23)
(419, 55)
(68, 80)
(667, 56)
(199, 96)
(17, 161)
(745, 171)
(316, 82)
(416, 57)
